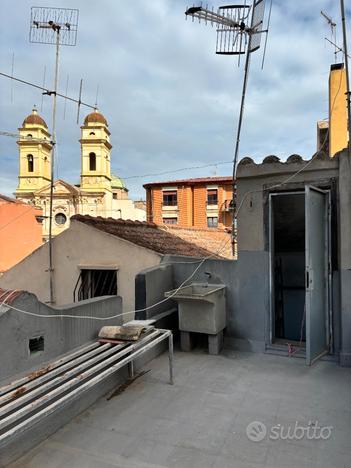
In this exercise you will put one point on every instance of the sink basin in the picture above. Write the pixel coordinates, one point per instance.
(201, 307)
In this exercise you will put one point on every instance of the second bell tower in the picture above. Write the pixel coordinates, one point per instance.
(95, 154)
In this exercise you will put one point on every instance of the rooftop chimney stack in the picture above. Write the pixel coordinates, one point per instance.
(338, 133)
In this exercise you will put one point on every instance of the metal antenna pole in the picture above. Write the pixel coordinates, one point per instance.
(57, 26)
(346, 58)
(236, 37)
(53, 143)
(237, 144)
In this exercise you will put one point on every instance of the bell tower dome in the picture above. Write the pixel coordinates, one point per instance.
(34, 155)
(95, 153)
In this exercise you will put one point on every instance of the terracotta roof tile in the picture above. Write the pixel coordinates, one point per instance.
(146, 235)
(215, 240)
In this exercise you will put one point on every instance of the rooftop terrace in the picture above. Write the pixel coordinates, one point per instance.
(201, 421)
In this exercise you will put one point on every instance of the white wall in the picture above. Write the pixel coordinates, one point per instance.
(127, 210)
(80, 245)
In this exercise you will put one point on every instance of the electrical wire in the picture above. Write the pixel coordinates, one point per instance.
(181, 169)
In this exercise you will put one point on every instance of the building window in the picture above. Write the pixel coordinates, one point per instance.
(29, 135)
(95, 283)
(30, 161)
(92, 133)
(36, 345)
(170, 220)
(60, 218)
(212, 222)
(114, 196)
(170, 198)
(92, 162)
(212, 197)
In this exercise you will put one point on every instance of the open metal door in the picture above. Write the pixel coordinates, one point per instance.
(317, 256)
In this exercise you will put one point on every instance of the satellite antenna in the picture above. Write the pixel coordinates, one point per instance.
(56, 26)
(239, 32)
(332, 34)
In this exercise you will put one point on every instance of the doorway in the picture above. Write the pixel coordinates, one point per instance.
(299, 252)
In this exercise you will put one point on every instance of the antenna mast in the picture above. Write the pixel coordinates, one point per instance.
(332, 33)
(239, 32)
(56, 26)
(346, 59)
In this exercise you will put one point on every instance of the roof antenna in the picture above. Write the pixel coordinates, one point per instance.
(79, 99)
(65, 105)
(12, 69)
(239, 32)
(96, 98)
(332, 34)
(266, 38)
(42, 94)
(56, 26)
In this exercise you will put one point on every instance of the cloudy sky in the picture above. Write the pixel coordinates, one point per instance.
(170, 101)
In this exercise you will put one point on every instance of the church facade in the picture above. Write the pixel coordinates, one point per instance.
(99, 193)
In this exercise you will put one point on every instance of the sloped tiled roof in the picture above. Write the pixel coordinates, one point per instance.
(200, 180)
(9, 199)
(214, 240)
(146, 235)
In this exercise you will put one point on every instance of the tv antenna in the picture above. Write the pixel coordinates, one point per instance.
(332, 39)
(56, 26)
(239, 32)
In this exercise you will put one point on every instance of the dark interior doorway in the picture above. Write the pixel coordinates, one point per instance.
(288, 265)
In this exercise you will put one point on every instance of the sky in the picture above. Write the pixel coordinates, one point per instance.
(170, 101)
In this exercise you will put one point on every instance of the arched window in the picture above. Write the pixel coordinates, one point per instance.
(92, 133)
(30, 135)
(30, 162)
(92, 162)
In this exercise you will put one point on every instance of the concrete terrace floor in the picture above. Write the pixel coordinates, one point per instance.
(201, 421)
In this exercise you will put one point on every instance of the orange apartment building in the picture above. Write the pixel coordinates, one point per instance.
(202, 203)
(20, 231)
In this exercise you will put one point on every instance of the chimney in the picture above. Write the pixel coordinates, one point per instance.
(338, 137)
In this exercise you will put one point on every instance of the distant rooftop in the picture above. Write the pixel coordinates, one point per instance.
(147, 235)
(215, 240)
(200, 180)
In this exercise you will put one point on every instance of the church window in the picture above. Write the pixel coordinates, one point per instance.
(92, 133)
(60, 218)
(92, 162)
(30, 161)
(30, 135)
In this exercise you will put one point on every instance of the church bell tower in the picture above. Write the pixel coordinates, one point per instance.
(34, 155)
(95, 154)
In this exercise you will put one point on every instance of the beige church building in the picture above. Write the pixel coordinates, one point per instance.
(99, 193)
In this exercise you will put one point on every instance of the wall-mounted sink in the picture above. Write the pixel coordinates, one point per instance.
(201, 307)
